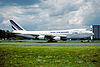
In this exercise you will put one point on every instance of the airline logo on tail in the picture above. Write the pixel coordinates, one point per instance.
(15, 26)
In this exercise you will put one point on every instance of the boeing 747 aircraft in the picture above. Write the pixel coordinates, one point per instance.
(54, 35)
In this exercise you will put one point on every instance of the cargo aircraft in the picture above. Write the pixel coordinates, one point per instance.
(54, 35)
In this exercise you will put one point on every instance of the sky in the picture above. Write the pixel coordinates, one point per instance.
(50, 14)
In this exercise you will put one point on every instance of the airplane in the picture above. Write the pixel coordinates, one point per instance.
(54, 35)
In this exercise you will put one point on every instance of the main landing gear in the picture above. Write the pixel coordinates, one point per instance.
(51, 40)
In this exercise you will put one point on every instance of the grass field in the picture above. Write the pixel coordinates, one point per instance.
(44, 41)
(49, 55)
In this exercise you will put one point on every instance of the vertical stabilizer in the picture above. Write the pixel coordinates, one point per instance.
(15, 26)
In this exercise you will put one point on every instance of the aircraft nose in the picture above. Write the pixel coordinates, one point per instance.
(90, 32)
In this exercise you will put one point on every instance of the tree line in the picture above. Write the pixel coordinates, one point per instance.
(7, 35)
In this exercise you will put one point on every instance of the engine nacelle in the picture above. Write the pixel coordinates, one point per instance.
(41, 37)
(64, 38)
(57, 38)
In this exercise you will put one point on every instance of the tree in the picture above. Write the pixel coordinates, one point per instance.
(2, 34)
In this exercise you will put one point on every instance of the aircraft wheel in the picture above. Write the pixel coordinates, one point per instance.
(52, 40)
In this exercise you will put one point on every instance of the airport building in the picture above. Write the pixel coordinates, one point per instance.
(96, 31)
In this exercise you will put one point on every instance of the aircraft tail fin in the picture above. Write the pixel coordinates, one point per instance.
(16, 26)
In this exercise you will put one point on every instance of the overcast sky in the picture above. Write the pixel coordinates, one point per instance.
(50, 14)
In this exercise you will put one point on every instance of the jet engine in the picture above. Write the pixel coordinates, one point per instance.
(60, 38)
(41, 37)
(57, 38)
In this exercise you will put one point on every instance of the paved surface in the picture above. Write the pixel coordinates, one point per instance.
(54, 43)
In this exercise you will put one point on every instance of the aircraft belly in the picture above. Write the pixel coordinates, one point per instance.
(78, 36)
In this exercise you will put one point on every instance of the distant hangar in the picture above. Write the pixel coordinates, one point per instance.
(96, 31)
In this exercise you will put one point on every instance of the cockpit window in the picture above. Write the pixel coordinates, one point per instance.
(90, 29)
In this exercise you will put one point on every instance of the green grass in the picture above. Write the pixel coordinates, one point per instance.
(49, 55)
(73, 41)
(96, 41)
(37, 41)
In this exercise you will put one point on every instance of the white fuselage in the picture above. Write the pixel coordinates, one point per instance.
(73, 33)
(50, 35)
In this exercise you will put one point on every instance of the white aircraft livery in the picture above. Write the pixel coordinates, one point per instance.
(54, 35)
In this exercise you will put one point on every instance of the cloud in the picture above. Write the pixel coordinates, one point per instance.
(53, 14)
